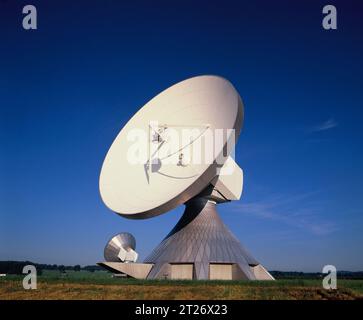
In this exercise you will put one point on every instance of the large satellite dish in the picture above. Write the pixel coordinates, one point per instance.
(177, 150)
(154, 185)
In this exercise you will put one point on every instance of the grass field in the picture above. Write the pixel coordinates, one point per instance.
(101, 285)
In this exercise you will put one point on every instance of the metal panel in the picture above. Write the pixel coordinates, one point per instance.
(220, 271)
(182, 271)
(200, 237)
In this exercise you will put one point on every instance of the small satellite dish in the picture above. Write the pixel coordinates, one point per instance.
(121, 248)
(156, 184)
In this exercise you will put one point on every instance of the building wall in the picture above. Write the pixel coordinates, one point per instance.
(261, 273)
(182, 271)
(237, 273)
(220, 271)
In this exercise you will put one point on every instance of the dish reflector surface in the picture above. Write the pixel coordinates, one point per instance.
(164, 178)
(121, 243)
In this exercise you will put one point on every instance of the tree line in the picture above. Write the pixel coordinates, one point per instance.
(315, 275)
(16, 267)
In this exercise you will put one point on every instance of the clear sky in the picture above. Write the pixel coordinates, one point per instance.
(67, 89)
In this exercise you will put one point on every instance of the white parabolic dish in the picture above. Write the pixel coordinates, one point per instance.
(136, 190)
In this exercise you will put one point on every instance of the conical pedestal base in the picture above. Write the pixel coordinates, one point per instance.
(200, 246)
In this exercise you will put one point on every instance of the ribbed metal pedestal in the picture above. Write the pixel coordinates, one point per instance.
(200, 238)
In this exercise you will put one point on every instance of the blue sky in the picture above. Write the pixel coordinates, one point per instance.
(67, 89)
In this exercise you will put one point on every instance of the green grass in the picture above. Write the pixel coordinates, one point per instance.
(101, 285)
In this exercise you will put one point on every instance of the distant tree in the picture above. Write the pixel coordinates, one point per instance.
(62, 269)
(92, 268)
(77, 267)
